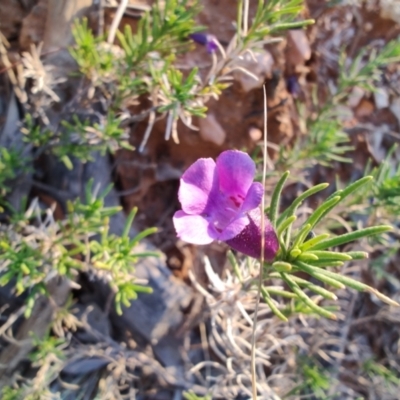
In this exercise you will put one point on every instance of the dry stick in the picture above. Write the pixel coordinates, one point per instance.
(100, 29)
(253, 336)
(117, 19)
(245, 17)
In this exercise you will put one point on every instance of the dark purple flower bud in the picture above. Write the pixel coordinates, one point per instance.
(249, 239)
(293, 86)
(205, 39)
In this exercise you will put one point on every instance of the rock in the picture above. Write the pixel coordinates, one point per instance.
(60, 16)
(381, 98)
(83, 366)
(260, 66)
(395, 108)
(355, 97)
(255, 134)
(298, 47)
(364, 109)
(154, 315)
(94, 317)
(155, 318)
(390, 9)
(32, 30)
(375, 142)
(211, 130)
(12, 13)
(43, 313)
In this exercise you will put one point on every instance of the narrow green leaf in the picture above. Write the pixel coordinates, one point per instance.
(352, 236)
(235, 265)
(67, 162)
(316, 273)
(297, 202)
(280, 292)
(315, 288)
(322, 210)
(292, 25)
(147, 254)
(143, 234)
(294, 253)
(326, 263)
(105, 192)
(285, 224)
(305, 299)
(312, 242)
(271, 304)
(307, 257)
(357, 255)
(382, 297)
(355, 186)
(343, 193)
(334, 194)
(276, 197)
(331, 255)
(141, 289)
(128, 222)
(282, 266)
(304, 231)
(350, 282)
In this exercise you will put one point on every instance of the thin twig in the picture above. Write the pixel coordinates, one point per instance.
(253, 336)
(245, 17)
(117, 19)
(100, 28)
(11, 319)
(150, 124)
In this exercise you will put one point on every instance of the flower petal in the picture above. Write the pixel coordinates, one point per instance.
(253, 198)
(233, 229)
(235, 171)
(191, 228)
(249, 239)
(196, 184)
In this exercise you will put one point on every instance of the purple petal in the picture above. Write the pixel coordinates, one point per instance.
(235, 171)
(253, 198)
(211, 46)
(249, 240)
(233, 229)
(196, 184)
(199, 37)
(205, 39)
(293, 86)
(192, 228)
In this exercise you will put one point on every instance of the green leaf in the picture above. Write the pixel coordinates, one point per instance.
(275, 199)
(305, 299)
(349, 282)
(351, 237)
(128, 222)
(267, 298)
(297, 202)
(331, 255)
(316, 289)
(282, 266)
(312, 242)
(143, 234)
(285, 225)
(317, 273)
(280, 292)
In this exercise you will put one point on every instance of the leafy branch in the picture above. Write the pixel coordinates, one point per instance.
(313, 255)
(30, 254)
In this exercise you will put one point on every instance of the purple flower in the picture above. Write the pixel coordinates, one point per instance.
(220, 202)
(205, 39)
(293, 86)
